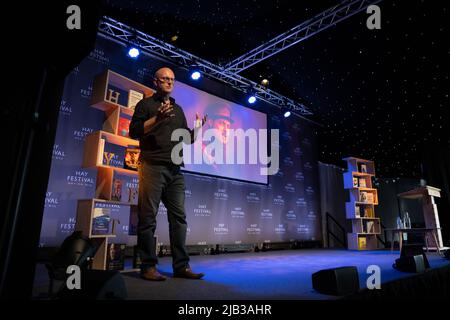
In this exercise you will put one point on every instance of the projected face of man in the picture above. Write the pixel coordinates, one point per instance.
(220, 120)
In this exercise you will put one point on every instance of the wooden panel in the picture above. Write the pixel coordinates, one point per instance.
(91, 146)
(119, 140)
(99, 91)
(84, 216)
(103, 187)
(99, 262)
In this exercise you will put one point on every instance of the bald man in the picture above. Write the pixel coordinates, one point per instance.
(160, 179)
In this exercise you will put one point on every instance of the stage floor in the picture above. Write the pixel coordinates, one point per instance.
(277, 275)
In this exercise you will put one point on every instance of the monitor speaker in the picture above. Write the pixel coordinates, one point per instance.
(337, 281)
(97, 285)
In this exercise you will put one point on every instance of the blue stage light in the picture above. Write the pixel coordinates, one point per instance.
(133, 52)
(195, 75)
(287, 114)
(251, 99)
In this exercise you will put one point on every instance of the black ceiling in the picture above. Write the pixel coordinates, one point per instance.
(380, 94)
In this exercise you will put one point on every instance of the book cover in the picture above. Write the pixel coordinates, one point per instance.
(116, 193)
(369, 213)
(133, 98)
(124, 125)
(363, 168)
(116, 95)
(113, 155)
(370, 227)
(133, 222)
(362, 243)
(101, 222)
(355, 182)
(129, 188)
(364, 227)
(369, 197)
(116, 256)
(132, 157)
(357, 211)
(363, 196)
(362, 183)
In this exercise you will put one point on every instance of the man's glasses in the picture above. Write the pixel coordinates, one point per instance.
(166, 79)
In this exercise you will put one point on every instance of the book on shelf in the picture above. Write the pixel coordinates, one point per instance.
(101, 221)
(362, 243)
(357, 211)
(131, 158)
(133, 221)
(115, 256)
(369, 212)
(128, 185)
(133, 98)
(362, 183)
(369, 197)
(355, 181)
(116, 193)
(113, 155)
(101, 149)
(116, 95)
(364, 227)
(124, 125)
(370, 227)
(363, 168)
(363, 196)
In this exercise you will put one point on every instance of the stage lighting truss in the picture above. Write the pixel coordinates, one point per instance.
(121, 33)
(303, 31)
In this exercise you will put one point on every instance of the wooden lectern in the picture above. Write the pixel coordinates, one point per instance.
(430, 211)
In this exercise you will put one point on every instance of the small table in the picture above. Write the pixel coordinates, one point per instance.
(430, 211)
(425, 231)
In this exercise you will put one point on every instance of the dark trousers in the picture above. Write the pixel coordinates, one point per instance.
(161, 183)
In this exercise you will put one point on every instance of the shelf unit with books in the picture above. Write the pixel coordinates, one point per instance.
(114, 155)
(361, 207)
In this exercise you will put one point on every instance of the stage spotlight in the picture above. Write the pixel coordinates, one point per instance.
(195, 75)
(265, 83)
(133, 52)
(251, 99)
(287, 114)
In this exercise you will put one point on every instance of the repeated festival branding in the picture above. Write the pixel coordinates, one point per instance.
(221, 194)
(202, 211)
(98, 55)
(221, 229)
(237, 213)
(80, 178)
(58, 153)
(65, 108)
(81, 133)
(52, 200)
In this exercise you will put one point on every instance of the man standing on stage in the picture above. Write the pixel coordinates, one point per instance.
(154, 120)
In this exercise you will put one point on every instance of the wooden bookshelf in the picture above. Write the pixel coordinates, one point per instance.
(360, 208)
(107, 88)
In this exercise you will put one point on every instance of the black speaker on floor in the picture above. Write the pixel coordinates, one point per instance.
(337, 281)
(447, 254)
(412, 259)
(410, 264)
(97, 285)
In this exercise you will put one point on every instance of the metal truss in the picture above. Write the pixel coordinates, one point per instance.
(124, 34)
(299, 33)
